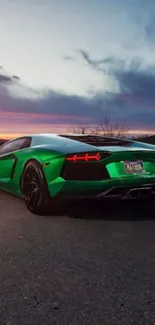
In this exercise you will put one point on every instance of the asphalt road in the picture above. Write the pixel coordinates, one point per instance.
(94, 267)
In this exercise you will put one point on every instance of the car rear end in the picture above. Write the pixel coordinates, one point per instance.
(132, 174)
(116, 172)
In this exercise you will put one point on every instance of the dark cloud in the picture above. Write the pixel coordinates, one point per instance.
(133, 103)
(135, 81)
(132, 77)
(106, 65)
(95, 64)
(16, 77)
(52, 103)
(5, 79)
(68, 58)
(111, 64)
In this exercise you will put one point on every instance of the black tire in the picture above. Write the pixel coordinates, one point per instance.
(34, 188)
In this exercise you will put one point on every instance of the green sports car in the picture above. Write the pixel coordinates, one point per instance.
(47, 168)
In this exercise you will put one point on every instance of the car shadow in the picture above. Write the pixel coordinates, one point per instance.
(103, 210)
(113, 210)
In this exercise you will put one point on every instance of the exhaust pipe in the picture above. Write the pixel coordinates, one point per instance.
(139, 192)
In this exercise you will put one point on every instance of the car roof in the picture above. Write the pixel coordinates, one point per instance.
(36, 136)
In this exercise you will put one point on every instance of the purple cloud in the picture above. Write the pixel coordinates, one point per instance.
(134, 103)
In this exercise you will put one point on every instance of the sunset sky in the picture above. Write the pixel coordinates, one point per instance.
(69, 62)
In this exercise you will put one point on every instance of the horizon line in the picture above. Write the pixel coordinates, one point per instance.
(16, 135)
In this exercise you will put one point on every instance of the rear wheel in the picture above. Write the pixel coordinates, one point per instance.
(34, 188)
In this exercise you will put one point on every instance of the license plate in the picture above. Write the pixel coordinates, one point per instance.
(134, 167)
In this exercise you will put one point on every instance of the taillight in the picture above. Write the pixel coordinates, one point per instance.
(84, 157)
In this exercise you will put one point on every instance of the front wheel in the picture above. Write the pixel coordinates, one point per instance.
(34, 188)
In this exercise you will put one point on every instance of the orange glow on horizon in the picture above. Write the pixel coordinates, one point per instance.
(15, 124)
(11, 135)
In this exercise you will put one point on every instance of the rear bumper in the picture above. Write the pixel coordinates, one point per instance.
(129, 192)
(114, 188)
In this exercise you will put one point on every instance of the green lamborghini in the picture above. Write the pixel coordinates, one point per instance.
(47, 168)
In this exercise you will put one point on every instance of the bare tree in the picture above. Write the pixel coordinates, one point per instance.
(108, 128)
(79, 129)
(105, 127)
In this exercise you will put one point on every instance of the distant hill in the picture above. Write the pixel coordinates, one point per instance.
(150, 139)
(2, 141)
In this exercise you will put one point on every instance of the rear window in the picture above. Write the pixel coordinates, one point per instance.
(98, 141)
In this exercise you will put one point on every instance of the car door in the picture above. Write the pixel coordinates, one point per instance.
(8, 159)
